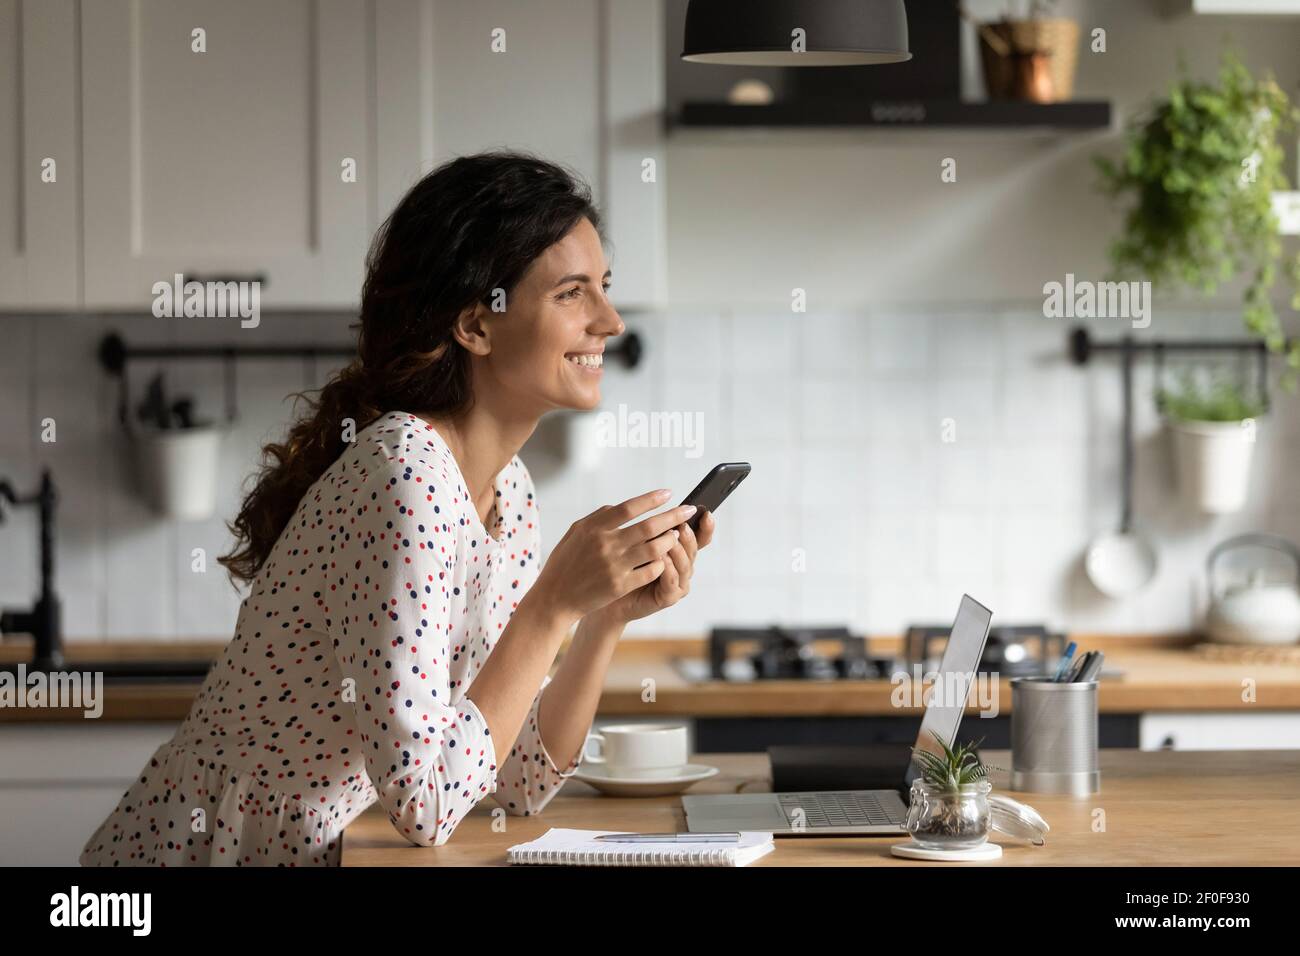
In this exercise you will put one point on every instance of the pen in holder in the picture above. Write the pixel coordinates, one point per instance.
(1054, 736)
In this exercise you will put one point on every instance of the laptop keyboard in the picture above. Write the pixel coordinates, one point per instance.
(843, 809)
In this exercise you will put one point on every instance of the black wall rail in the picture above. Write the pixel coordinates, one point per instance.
(115, 356)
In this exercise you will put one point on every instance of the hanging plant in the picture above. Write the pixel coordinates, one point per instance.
(1201, 167)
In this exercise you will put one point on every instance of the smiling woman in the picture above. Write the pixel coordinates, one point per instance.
(397, 638)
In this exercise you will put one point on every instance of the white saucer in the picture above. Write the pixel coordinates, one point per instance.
(909, 850)
(600, 778)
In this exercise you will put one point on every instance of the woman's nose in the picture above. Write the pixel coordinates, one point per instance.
(611, 322)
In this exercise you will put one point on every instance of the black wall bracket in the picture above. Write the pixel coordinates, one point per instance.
(115, 356)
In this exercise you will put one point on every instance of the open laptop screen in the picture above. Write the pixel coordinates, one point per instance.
(946, 700)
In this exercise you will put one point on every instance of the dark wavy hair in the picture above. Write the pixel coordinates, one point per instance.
(470, 227)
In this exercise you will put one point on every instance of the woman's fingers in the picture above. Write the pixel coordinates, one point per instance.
(643, 575)
(670, 580)
(622, 513)
(689, 542)
(681, 564)
(707, 527)
(653, 526)
(652, 549)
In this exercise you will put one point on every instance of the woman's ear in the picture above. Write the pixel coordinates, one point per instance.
(470, 330)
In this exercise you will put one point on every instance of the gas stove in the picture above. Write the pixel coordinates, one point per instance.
(777, 652)
(787, 653)
(1012, 650)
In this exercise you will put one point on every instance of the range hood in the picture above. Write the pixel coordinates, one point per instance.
(921, 91)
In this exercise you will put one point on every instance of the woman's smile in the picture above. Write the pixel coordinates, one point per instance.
(591, 363)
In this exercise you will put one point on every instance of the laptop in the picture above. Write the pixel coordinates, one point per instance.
(824, 813)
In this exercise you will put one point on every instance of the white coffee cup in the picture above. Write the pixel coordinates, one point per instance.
(649, 751)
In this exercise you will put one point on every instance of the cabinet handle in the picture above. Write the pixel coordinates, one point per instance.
(259, 277)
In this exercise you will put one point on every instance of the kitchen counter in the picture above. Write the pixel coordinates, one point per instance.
(162, 700)
(1164, 809)
(1158, 674)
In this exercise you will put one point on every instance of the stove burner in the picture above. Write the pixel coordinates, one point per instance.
(788, 654)
(1021, 650)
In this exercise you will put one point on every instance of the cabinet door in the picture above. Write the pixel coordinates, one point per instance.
(633, 185)
(541, 92)
(58, 781)
(229, 161)
(1266, 730)
(575, 81)
(39, 164)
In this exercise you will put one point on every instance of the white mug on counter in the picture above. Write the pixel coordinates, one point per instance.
(646, 751)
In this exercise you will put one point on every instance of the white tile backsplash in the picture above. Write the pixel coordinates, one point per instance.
(841, 415)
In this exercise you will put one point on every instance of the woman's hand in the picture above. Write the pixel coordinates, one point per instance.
(671, 586)
(598, 561)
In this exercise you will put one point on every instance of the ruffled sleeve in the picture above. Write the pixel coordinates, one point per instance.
(430, 759)
(529, 778)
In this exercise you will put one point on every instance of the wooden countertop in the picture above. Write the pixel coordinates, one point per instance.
(1157, 674)
(1164, 808)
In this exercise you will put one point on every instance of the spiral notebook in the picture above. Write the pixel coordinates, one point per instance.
(578, 848)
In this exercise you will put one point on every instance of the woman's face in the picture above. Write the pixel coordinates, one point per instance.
(545, 350)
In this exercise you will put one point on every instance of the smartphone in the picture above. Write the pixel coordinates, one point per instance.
(714, 489)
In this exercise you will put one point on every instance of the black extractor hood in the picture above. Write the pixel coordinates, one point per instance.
(918, 84)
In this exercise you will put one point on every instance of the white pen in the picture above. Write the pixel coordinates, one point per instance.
(669, 838)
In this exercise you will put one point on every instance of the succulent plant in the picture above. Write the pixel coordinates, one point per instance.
(959, 766)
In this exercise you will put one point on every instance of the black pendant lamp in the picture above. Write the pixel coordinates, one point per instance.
(761, 32)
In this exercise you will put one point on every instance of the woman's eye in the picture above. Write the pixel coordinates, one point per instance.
(571, 293)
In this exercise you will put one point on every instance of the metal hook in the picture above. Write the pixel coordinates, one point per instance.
(228, 368)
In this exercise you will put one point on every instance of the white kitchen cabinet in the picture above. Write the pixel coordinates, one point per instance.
(575, 81)
(635, 205)
(40, 161)
(518, 74)
(58, 781)
(227, 162)
(1266, 730)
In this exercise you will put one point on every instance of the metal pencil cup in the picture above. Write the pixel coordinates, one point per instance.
(1054, 736)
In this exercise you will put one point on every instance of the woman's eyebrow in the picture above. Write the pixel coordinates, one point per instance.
(580, 277)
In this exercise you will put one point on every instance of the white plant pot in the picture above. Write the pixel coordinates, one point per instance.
(1212, 462)
(178, 470)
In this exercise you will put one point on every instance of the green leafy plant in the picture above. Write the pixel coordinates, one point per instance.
(1201, 168)
(1220, 400)
(957, 767)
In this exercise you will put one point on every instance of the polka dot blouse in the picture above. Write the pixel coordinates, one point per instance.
(345, 682)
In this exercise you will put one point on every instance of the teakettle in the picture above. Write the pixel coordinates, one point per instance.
(1256, 610)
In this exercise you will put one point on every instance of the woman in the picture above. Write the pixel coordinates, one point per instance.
(397, 637)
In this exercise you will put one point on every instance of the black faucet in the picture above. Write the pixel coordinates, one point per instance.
(43, 620)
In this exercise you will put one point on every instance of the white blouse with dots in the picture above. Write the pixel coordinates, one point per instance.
(345, 681)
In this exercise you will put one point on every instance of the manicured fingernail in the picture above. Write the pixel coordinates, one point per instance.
(676, 533)
(663, 493)
(689, 510)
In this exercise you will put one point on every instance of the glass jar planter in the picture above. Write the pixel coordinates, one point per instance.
(949, 819)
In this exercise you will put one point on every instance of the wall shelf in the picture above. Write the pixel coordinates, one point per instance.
(1080, 115)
